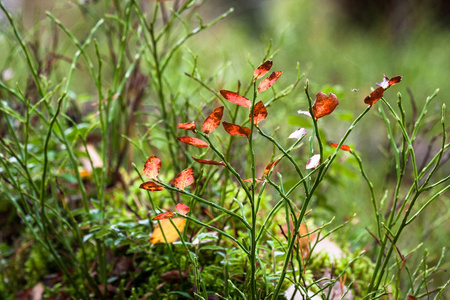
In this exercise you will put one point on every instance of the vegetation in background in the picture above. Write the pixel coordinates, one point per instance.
(85, 107)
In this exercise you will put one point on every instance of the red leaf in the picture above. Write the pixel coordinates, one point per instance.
(262, 69)
(151, 186)
(394, 80)
(313, 162)
(411, 297)
(187, 126)
(324, 105)
(165, 215)
(269, 81)
(234, 129)
(343, 147)
(259, 113)
(251, 180)
(209, 162)
(193, 141)
(184, 179)
(182, 208)
(270, 166)
(152, 166)
(374, 96)
(213, 120)
(235, 98)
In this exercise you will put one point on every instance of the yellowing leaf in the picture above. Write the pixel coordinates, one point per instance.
(169, 231)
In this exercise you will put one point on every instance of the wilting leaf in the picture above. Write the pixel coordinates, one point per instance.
(269, 81)
(262, 69)
(184, 179)
(234, 129)
(304, 112)
(374, 96)
(313, 162)
(169, 231)
(213, 120)
(236, 98)
(182, 208)
(259, 113)
(209, 161)
(394, 80)
(385, 83)
(343, 147)
(251, 180)
(270, 166)
(324, 105)
(193, 141)
(163, 216)
(298, 134)
(187, 126)
(151, 186)
(152, 166)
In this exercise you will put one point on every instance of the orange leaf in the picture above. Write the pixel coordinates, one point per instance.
(193, 141)
(182, 208)
(324, 105)
(269, 81)
(187, 126)
(374, 96)
(151, 186)
(313, 162)
(234, 129)
(343, 147)
(270, 166)
(184, 179)
(259, 113)
(394, 80)
(165, 215)
(170, 232)
(209, 162)
(251, 180)
(236, 98)
(152, 166)
(262, 69)
(213, 120)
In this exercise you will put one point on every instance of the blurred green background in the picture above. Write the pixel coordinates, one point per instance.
(342, 46)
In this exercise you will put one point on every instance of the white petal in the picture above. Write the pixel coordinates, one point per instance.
(298, 134)
(313, 162)
(304, 112)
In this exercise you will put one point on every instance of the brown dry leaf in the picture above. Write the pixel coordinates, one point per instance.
(236, 98)
(169, 231)
(259, 113)
(270, 166)
(182, 208)
(269, 81)
(164, 215)
(151, 186)
(193, 141)
(251, 180)
(343, 147)
(262, 69)
(213, 120)
(324, 105)
(187, 126)
(394, 80)
(374, 96)
(209, 162)
(234, 129)
(184, 179)
(152, 166)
